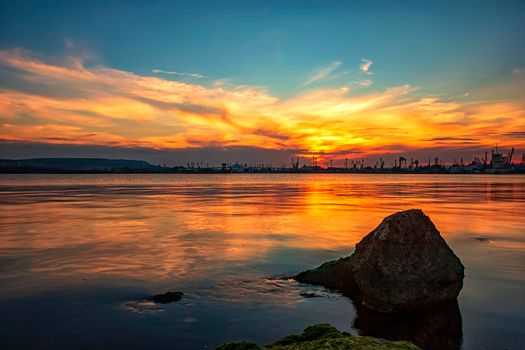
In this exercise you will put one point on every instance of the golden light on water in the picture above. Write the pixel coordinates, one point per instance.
(161, 229)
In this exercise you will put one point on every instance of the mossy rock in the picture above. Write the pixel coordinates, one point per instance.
(324, 336)
(402, 265)
(241, 345)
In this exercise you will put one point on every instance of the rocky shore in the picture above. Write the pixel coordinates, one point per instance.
(323, 336)
(403, 279)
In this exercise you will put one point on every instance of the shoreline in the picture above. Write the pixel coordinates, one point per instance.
(187, 172)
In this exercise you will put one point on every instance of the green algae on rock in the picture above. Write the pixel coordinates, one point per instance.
(323, 336)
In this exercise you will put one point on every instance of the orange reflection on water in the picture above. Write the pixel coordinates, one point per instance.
(57, 229)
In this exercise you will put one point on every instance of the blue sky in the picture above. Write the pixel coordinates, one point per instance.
(278, 44)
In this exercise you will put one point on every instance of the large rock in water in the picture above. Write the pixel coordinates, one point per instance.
(402, 265)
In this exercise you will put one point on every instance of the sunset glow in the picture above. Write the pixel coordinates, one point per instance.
(333, 109)
(112, 107)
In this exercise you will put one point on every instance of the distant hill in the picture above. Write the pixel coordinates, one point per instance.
(53, 165)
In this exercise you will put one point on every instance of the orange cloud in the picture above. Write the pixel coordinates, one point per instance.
(68, 102)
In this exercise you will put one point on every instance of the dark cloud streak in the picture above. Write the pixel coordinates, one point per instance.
(206, 154)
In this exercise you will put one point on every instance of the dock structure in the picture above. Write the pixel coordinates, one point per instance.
(499, 163)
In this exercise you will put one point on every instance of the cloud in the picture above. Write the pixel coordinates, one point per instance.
(515, 135)
(452, 139)
(323, 73)
(363, 82)
(518, 70)
(69, 43)
(171, 72)
(107, 107)
(221, 82)
(365, 66)
(207, 152)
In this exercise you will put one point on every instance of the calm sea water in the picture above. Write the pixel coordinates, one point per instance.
(78, 253)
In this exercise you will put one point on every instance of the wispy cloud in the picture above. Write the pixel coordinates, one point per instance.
(323, 73)
(68, 102)
(365, 66)
(221, 82)
(171, 72)
(363, 83)
(69, 43)
(518, 70)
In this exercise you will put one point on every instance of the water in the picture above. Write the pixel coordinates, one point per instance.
(78, 253)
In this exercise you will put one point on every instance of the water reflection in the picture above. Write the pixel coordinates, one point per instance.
(218, 238)
(438, 328)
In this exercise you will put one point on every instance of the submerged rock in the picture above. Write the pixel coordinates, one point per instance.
(402, 265)
(167, 297)
(482, 239)
(309, 295)
(324, 336)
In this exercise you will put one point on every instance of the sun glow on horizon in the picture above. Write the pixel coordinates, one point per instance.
(67, 102)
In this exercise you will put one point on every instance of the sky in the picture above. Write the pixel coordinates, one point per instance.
(173, 82)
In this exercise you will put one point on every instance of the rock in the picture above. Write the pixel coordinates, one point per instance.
(315, 332)
(241, 345)
(324, 336)
(167, 297)
(335, 274)
(482, 239)
(402, 265)
(309, 295)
